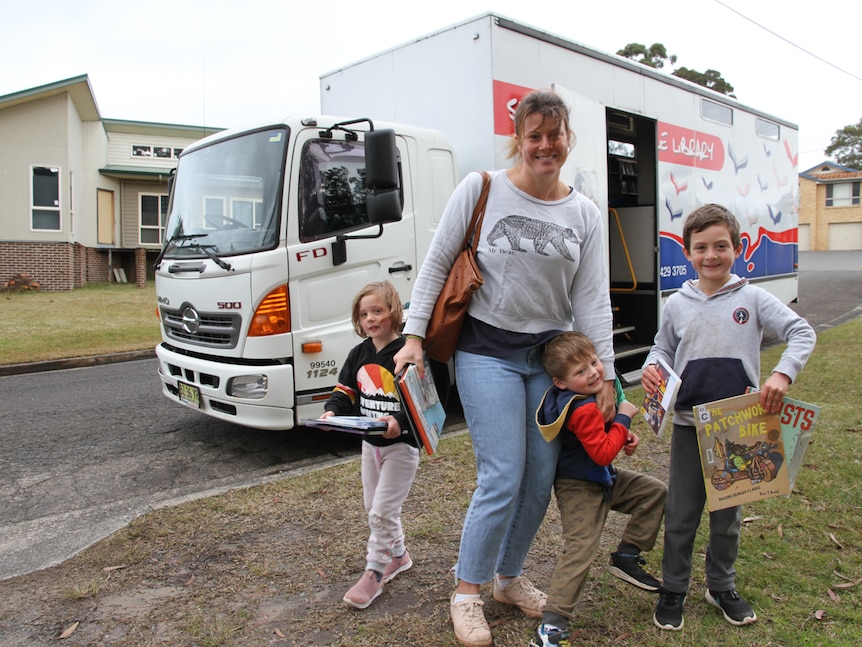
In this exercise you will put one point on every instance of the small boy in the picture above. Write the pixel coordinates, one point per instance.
(710, 332)
(587, 485)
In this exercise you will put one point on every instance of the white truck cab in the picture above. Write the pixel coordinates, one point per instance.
(271, 232)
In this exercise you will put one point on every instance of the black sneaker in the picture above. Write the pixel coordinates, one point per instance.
(628, 569)
(736, 610)
(549, 635)
(668, 610)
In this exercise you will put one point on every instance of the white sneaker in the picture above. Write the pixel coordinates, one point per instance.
(519, 592)
(471, 628)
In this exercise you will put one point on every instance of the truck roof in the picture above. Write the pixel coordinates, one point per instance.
(619, 61)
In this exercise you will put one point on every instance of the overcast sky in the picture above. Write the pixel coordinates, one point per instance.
(227, 63)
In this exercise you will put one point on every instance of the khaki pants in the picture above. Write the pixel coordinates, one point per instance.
(583, 512)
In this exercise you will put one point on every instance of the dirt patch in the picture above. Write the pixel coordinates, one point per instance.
(269, 565)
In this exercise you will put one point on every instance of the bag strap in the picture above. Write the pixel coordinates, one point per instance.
(475, 225)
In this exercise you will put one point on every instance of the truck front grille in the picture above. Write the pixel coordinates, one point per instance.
(212, 330)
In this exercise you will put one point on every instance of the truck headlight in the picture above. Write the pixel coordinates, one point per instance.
(251, 387)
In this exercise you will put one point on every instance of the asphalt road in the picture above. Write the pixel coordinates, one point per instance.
(86, 450)
(830, 287)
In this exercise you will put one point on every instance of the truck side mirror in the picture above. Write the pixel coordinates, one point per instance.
(382, 201)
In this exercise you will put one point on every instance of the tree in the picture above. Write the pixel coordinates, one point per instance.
(654, 56)
(710, 79)
(846, 146)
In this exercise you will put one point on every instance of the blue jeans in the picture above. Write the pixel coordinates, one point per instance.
(515, 465)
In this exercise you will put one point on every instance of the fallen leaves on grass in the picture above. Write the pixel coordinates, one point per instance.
(69, 630)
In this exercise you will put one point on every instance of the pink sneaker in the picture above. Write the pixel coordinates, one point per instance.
(397, 565)
(365, 591)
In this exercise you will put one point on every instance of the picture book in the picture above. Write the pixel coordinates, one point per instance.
(742, 451)
(797, 421)
(656, 407)
(422, 404)
(350, 424)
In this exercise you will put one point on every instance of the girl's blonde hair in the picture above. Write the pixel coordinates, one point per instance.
(389, 295)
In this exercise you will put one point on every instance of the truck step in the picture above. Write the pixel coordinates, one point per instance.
(632, 377)
(630, 351)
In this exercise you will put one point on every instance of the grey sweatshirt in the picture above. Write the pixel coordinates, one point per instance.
(713, 342)
(543, 263)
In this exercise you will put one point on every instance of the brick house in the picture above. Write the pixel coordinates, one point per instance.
(830, 211)
(82, 199)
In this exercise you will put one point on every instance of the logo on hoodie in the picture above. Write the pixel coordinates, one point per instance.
(741, 316)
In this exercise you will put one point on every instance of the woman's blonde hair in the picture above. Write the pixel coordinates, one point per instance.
(389, 295)
(546, 103)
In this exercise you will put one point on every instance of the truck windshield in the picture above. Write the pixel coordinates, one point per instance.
(228, 194)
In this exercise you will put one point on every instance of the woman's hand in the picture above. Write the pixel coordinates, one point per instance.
(606, 399)
(410, 354)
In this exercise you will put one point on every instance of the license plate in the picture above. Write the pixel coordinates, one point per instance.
(189, 394)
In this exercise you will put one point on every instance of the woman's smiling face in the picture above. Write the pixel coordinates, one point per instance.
(544, 146)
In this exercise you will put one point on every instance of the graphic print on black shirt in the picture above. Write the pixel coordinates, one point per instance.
(378, 395)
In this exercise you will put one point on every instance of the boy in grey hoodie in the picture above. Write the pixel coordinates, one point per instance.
(710, 333)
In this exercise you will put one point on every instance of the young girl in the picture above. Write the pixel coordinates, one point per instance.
(366, 387)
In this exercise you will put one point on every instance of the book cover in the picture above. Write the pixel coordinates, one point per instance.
(424, 409)
(797, 421)
(351, 424)
(656, 407)
(742, 451)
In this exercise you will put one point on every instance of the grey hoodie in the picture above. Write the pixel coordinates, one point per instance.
(713, 342)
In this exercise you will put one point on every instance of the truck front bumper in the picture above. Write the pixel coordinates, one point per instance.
(221, 390)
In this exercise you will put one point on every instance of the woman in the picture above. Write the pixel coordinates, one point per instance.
(541, 253)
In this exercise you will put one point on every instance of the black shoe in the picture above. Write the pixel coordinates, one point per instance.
(628, 569)
(736, 610)
(668, 610)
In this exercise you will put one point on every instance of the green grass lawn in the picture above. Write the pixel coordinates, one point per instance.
(97, 319)
(255, 563)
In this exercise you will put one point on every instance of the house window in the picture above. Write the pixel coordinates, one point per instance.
(154, 218)
(843, 195)
(158, 152)
(716, 112)
(214, 212)
(45, 206)
(247, 212)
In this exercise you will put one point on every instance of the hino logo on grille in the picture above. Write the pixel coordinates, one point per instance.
(191, 320)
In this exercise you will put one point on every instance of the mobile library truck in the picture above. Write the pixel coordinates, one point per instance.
(269, 237)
